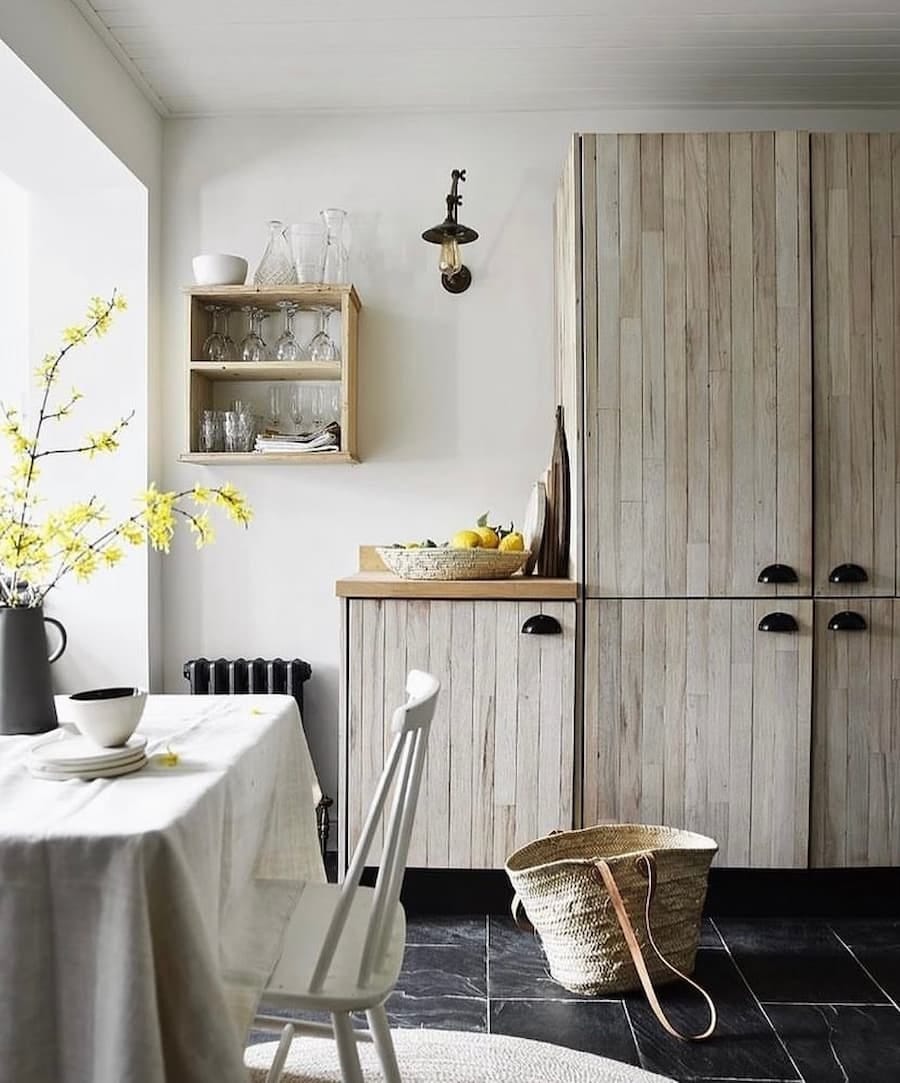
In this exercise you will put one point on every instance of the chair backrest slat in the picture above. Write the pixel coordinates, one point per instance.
(411, 724)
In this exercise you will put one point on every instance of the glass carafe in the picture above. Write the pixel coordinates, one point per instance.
(276, 268)
(336, 262)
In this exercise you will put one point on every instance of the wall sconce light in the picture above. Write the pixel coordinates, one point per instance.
(455, 276)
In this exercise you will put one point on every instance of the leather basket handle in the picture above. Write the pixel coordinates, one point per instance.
(605, 873)
(519, 916)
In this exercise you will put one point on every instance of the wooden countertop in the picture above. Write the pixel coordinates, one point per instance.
(384, 584)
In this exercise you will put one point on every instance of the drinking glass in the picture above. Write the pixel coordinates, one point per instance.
(274, 406)
(253, 347)
(215, 348)
(318, 406)
(276, 268)
(308, 247)
(322, 348)
(296, 407)
(287, 348)
(231, 430)
(246, 432)
(333, 402)
(231, 349)
(336, 259)
(212, 437)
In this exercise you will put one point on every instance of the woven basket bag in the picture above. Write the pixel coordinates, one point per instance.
(617, 907)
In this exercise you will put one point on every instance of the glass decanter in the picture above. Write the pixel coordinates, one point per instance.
(336, 261)
(276, 268)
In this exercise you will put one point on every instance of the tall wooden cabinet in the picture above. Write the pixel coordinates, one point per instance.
(697, 363)
(728, 352)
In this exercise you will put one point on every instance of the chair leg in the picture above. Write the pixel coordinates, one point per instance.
(384, 1045)
(284, 1044)
(351, 1072)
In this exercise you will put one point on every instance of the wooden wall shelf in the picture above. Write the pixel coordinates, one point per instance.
(257, 458)
(207, 381)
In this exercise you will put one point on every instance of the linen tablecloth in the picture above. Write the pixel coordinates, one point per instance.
(140, 917)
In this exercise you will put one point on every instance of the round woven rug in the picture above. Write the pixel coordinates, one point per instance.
(450, 1056)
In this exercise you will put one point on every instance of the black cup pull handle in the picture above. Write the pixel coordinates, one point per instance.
(848, 573)
(778, 622)
(847, 621)
(541, 624)
(777, 573)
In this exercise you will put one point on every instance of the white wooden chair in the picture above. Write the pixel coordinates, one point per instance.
(344, 944)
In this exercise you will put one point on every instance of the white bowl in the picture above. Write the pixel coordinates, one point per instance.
(218, 269)
(108, 716)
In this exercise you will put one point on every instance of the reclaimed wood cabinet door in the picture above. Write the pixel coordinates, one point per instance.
(696, 279)
(856, 278)
(856, 735)
(695, 718)
(500, 764)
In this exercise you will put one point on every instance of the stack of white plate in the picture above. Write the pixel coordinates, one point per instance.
(64, 754)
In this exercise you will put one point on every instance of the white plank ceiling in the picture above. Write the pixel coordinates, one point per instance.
(231, 56)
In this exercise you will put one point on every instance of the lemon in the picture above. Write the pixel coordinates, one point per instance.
(512, 543)
(413, 545)
(466, 539)
(489, 538)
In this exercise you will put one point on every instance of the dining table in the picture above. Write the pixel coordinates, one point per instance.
(141, 916)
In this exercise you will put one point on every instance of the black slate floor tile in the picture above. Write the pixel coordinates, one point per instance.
(797, 961)
(444, 970)
(744, 1046)
(592, 1026)
(517, 966)
(446, 931)
(877, 946)
(709, 935)
(841, 1044)
(437, 1012)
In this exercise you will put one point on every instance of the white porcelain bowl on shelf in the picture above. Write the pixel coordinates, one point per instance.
(108, 716)
(218, 269)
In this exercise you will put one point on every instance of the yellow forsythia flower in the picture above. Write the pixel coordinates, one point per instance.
(74, 335)
(112, 554)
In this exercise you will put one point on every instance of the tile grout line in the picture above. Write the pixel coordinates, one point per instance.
(487, 973)
(758, 1002)
(863, 967)
(637, 1048)
(826, 1004)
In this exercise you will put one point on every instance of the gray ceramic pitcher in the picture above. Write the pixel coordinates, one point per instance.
(26, 692)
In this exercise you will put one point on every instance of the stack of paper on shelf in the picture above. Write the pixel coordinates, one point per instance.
(328, 438)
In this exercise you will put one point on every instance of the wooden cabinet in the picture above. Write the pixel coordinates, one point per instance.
(696, 343)
(856, 279)
(856, 737)
(214, 385)
(500, 766)
(695, 718)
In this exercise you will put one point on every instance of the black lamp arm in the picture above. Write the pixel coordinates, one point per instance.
(454, 199)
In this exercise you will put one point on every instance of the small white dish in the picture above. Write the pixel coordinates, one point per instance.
(86, 774)
(108, 716)
(219, 269)
(73, 751)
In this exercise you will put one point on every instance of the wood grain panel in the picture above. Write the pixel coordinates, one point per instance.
(568, 251)
(500, 761)
(695, 718)
(856, 738)
(697, 378)
(855, 279)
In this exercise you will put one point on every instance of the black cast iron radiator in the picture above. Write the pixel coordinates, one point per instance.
(231, 676)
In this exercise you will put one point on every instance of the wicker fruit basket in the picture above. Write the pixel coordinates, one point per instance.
(451, 563)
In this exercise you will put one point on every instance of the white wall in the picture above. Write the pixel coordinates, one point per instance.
(456, 399)
(64, 51)
(75, 224)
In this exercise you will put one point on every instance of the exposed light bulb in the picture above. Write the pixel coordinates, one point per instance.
(450, 261)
